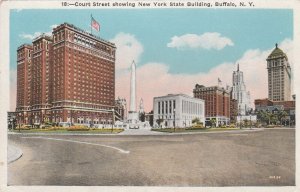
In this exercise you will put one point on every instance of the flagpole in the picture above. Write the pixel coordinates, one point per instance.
(91, 25)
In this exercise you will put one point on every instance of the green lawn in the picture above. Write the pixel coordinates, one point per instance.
(96, 131)
(182, 130)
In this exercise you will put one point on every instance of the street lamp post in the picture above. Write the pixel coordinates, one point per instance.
(240, 117)
(250, 113)
(113, 120)
(174, 119)
(19, 126)
(250, 121)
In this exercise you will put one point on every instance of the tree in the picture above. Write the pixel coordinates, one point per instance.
(246, 122)
(282, 115)
(151, 118)
(268, 116)
(196, 120)
(159, 121)
(142, 117)
(265, 116)
(213, 122)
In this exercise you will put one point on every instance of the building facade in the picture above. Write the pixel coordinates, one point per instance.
(70, 77)
(120, 109)
(233, 110)
(279, 76)
(268, 105)
(40, 71)
(24, 63)
(239, 92)
(217, 103)
(177, 110)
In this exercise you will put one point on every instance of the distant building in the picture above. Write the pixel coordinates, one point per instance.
(120, 109)
(149, 118)
(239, 92)
(217, 103)
(142, 114)
(279, 76)
(177, 110)
(11, 120)
(233, 110)
(141, 106)
(271, 106)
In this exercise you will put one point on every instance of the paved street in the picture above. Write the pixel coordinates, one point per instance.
(253, 158)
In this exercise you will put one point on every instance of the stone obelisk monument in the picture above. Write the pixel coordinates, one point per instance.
(132, 114)
(132, 88)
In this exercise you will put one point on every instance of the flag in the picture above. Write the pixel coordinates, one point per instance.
(95, 24)
(219, 82)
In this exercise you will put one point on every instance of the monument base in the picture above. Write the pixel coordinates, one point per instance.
(133, 117)
(133, 121)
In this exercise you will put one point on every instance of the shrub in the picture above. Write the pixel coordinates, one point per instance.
(24, 127)
(197, 126)
(270, 126)
(83, 129)
(78, 128)
(46, 126)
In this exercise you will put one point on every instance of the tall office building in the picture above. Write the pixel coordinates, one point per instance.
(279, 76)
(72, 76)
(24, 63)
(40, 78)
(217, 103)
(239, 92)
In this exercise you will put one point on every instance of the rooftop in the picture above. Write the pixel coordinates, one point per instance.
(203, 88)
(25, 45)
(179, 94)
(85, 33)
(277, 53)
(43, 36)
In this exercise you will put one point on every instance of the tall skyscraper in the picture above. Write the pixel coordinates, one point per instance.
(24, 63)
(40, 78)
(239, 92)
(279, 76)
(66, 77)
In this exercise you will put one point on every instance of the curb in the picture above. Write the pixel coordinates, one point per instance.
(13, 153)
(155, 133)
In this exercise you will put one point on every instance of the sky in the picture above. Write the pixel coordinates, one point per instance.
(174, 49)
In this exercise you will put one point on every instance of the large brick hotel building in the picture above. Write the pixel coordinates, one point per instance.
(66, 77)
(217, 103)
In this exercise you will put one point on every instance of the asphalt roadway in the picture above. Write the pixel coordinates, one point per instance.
(254, 158)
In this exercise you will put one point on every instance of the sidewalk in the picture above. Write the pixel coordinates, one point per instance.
(13, 153)
(140, 132)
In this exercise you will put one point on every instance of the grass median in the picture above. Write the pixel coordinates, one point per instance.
(184, 130)
(66, 130)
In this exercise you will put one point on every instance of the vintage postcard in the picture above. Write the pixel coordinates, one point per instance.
(149, 95)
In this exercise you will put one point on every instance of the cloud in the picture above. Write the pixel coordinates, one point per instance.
(154, 79)
(205, 41)
(53, 26)
(36, 34)
(30, 36)
(128, 49)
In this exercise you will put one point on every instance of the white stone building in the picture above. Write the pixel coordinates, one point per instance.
(177, 110)
(239, 92)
